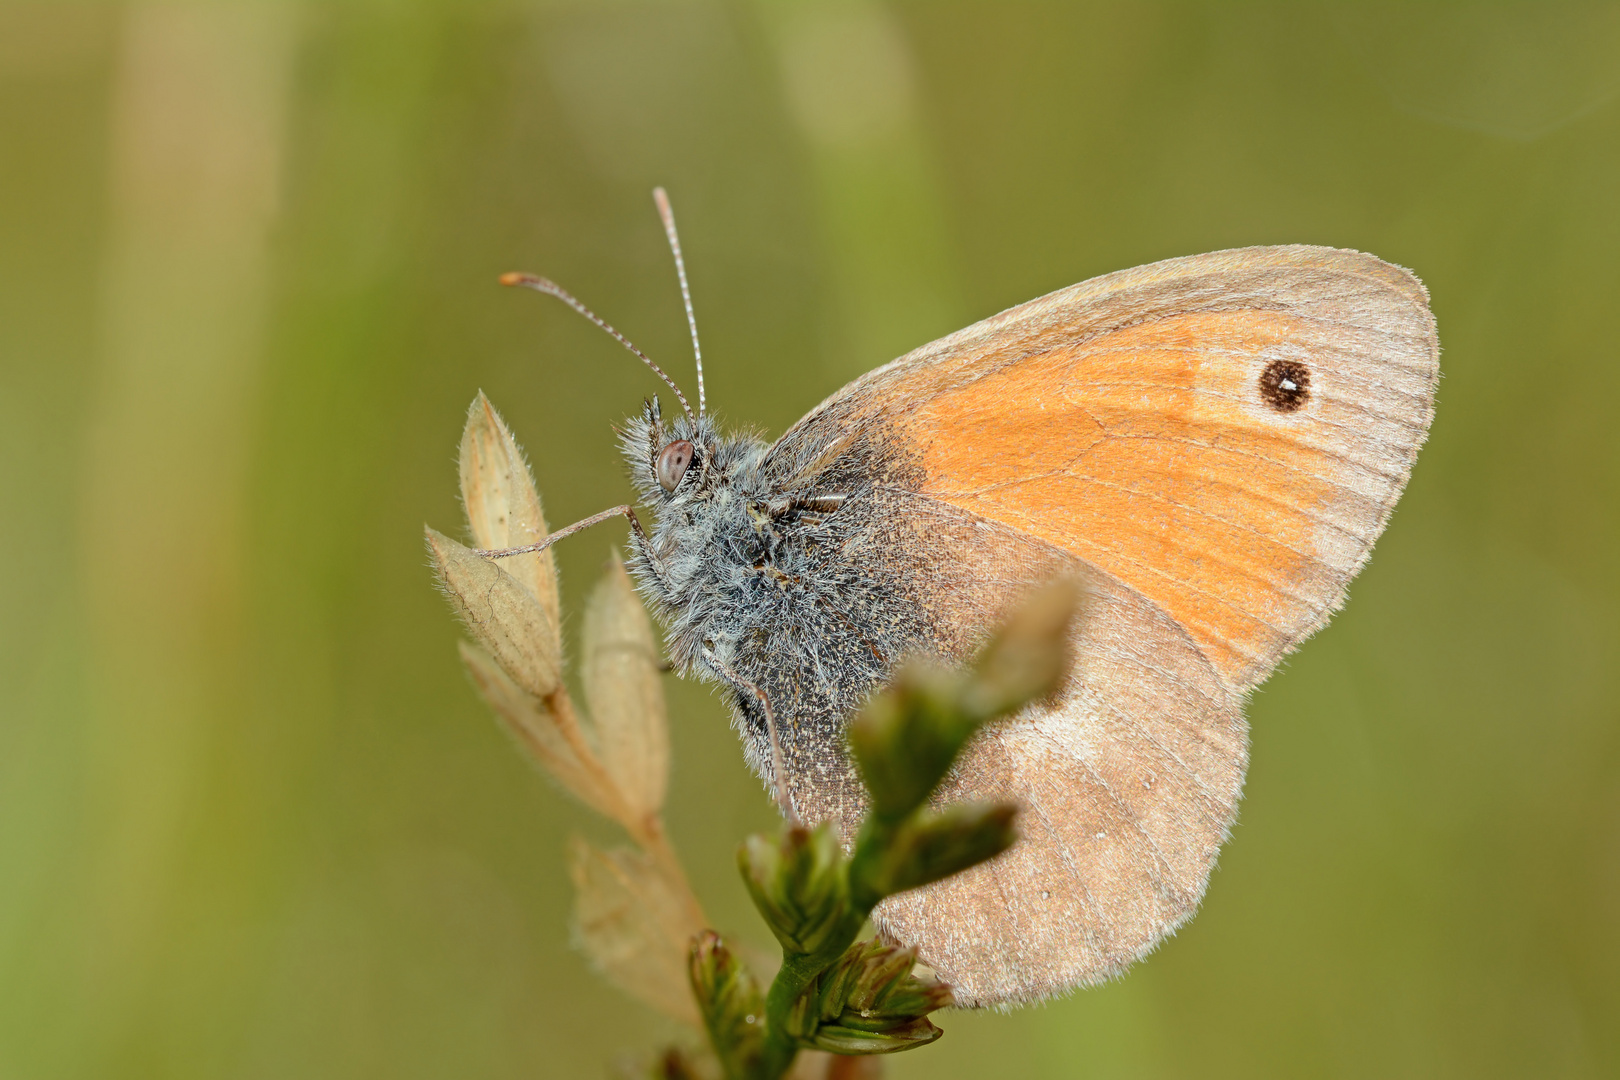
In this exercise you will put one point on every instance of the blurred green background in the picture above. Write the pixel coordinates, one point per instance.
(253, 822)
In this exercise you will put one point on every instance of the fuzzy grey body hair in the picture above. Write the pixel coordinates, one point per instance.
(806, 586)
(766, 593)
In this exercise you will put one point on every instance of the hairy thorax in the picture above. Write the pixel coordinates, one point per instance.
(772, 595)
(800, 600)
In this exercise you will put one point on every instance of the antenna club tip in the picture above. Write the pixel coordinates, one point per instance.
(515, 278)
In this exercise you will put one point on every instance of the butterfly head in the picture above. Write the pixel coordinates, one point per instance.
(681, 460)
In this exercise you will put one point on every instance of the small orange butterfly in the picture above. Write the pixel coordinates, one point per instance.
(1211, 445)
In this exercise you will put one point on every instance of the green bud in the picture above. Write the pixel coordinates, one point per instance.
(906, 738)
(798, 884)
(838, 1039)
(927, 847)
(732, 1007)
(870, 1003)
(1028, 658)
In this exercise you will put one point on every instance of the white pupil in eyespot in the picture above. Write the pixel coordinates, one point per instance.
(672, 463)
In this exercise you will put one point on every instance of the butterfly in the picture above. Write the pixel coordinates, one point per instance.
(1210, 445)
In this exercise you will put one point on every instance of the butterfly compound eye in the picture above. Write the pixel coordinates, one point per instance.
(672, 463)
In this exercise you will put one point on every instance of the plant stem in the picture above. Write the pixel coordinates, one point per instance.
(561, 706)
(652, 839)
(794, 977)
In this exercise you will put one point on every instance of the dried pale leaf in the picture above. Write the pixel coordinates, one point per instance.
(559, 751)
(502, 615)
(623, 686)
(503, 507)
(633, 926)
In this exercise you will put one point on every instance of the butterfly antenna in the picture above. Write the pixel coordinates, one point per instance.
(551, 288)
(668, 215)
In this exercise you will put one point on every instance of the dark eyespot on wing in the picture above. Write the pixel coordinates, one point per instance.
(1285, 385)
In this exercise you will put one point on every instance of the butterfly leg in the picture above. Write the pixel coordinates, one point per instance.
(641, 544)
(595, 519)
(824, 504)
(638, 541)
(783, 798)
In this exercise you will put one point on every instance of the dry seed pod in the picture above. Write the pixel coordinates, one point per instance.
(504, 616)
(622, 686)
(503, 507)
(554, 741)
(633, 926)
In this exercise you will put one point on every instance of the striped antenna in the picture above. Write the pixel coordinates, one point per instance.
(664, 211)
(551, 288)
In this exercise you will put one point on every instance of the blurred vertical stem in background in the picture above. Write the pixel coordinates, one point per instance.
(200, 95)
(635, 915)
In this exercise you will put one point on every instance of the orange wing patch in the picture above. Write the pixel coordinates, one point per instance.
(1227, 433)
(1150, 452)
